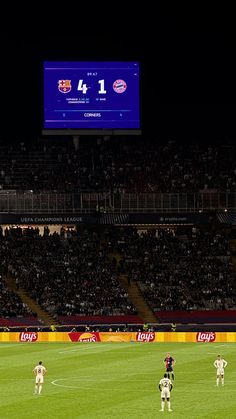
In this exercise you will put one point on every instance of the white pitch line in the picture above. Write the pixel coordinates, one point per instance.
(125, 345)
(102, 381)
(16, 379)
(212, 353)
(89, 378)
(117, 389)
(181, 373)
(219, 346)
(72, 350)
(178, 372)
(7, 345)
(100, 349)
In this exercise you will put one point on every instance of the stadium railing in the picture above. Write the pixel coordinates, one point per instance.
(90, 202)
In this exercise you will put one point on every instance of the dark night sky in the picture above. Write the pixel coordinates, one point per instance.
(188, 68)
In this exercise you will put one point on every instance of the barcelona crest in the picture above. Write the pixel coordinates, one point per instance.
(64, 86)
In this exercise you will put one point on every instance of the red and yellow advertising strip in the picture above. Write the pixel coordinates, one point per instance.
(150, 337)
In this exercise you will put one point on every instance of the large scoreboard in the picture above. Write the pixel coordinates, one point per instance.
(92, 95)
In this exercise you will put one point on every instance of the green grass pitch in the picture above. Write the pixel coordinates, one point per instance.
(115, 381)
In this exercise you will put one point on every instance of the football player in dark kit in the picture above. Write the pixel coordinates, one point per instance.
(169, 362)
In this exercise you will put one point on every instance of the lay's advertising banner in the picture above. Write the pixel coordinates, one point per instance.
(145, 337)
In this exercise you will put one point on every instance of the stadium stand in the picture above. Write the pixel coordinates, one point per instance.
(79, 277)
(119, 165)
(66, 276)
(89, 273)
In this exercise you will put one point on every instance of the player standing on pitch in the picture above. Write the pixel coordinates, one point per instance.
(220, 365)
(169, 364)
(165, 387)
(39, 371)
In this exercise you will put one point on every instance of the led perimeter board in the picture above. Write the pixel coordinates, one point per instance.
(91, 97)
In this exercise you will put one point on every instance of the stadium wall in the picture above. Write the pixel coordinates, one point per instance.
(168, 317)
(176, 316)
(117, 337)
(196, 316)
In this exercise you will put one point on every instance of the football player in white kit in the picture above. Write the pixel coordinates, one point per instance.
(39, 371)
(220, 365)
(165, 387)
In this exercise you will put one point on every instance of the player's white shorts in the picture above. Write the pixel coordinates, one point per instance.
(165, 393)
(39, 379)
(220, 371)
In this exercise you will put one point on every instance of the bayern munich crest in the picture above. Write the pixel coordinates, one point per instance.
(119, 86)
(64, 86)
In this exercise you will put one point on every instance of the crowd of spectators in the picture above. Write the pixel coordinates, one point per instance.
(77, 273)
(66, 276)
(179, 270)
(119, 165)
(10, 304)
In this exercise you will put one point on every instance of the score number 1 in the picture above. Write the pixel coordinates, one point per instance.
(83, 87)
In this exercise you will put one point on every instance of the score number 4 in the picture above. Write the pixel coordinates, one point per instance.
(83, 87)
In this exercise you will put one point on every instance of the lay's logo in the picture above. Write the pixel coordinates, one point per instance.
(28, 336)
(206, 337)
(84, 336)
(145, 337)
